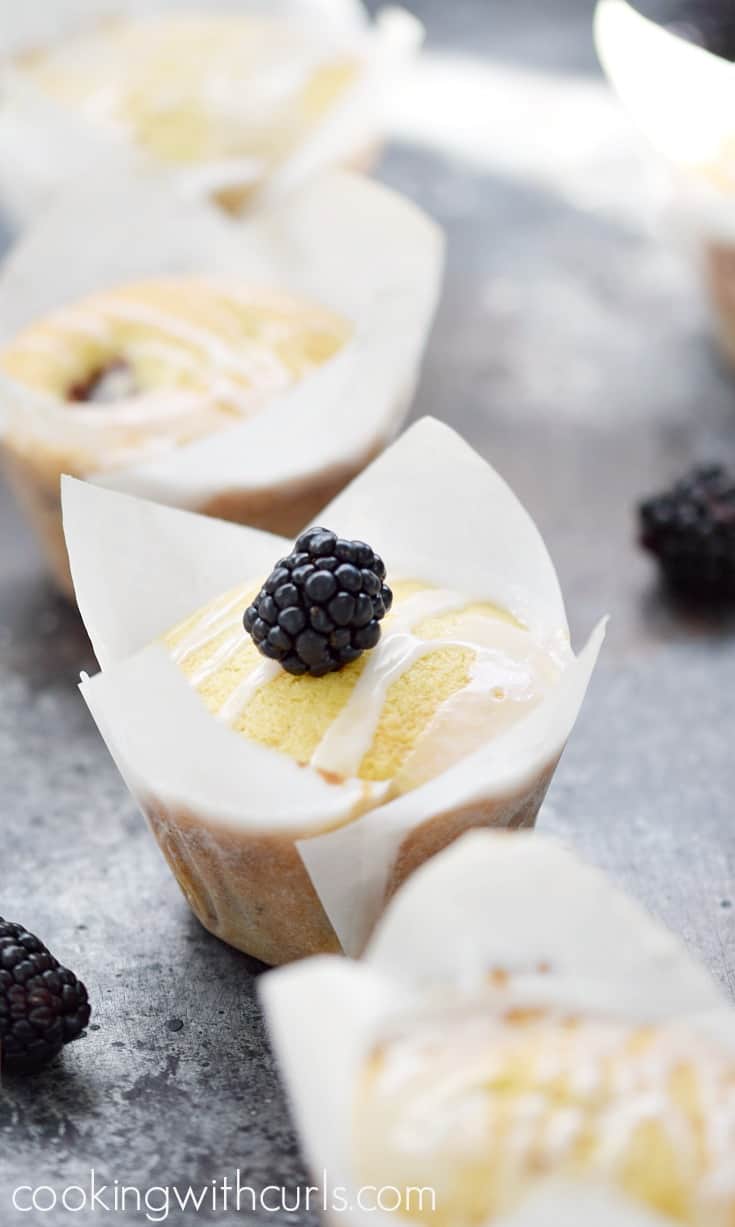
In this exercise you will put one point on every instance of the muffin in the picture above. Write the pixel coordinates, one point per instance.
(349, 709)
(149, 367)
(526, 1095)
(488, 1057)
(207, 369)
(446, 674)
(681, 95)
(223, 100)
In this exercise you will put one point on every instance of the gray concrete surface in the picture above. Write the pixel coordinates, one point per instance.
(572, 349)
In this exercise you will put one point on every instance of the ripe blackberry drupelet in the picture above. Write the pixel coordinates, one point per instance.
(691, 531)
(42, 1005)
(321, 606)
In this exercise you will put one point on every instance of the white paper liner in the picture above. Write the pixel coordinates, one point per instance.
(682, 97)
(44, 146)
(191, 760)
(525, 902)
(126, 555)
(334, 242)
(489, 902)
(505, 765)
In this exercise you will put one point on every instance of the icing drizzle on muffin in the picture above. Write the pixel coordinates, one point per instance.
(446, 676)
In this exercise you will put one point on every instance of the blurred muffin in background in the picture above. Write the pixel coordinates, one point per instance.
(671, 62)
(223, 99)
(532, 1095)
(244, 370)
(146, 368)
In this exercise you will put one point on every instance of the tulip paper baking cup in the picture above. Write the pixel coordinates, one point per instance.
(334, 243)
(512, 923)
(275, 857)
(45, 144)
(682, 97)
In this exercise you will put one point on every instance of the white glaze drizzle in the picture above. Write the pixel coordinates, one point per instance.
(208, 627)
(249, 686)
(594, 1065)
(221, 387)
(251, 360)
(350, 735)
(211, 626)
(227, 649)
(240, 375)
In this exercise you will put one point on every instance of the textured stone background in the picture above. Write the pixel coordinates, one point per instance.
(572, 349)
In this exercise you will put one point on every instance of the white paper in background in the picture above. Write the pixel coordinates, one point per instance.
(489, 901)
(390, 504)
(523, 902)
(34, 24)
(334, 242)
(161, 563)
(682, 97)
(43, 145)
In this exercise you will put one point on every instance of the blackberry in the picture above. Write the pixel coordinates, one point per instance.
(691, 531)
(320, 607)
(42, 1005)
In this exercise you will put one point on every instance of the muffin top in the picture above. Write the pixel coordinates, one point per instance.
(446, 676)
(480, 1105)
(194, 86)
(173, 358)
